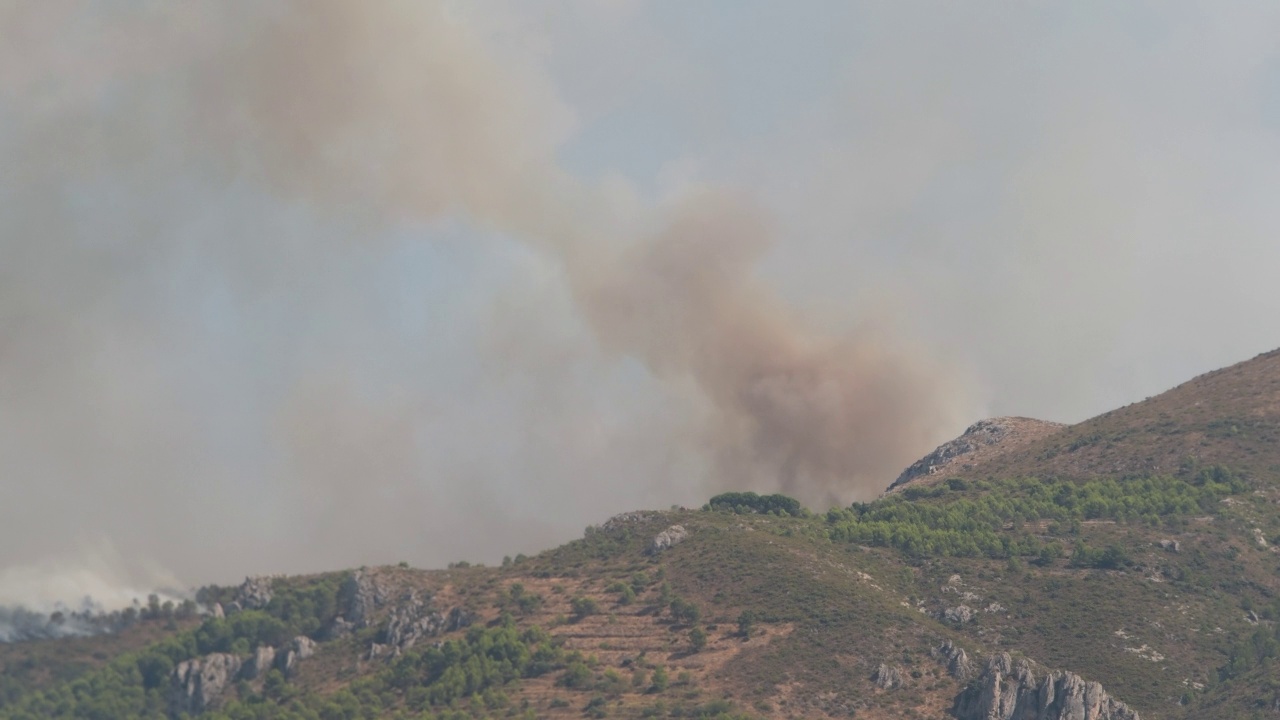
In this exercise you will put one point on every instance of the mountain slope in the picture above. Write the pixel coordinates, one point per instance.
(1229, 416)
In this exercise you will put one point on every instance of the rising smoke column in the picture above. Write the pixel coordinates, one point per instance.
(363, 116)
(398, 108)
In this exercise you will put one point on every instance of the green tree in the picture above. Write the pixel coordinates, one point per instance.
(697, 638)
(660, 680)
(584, 606)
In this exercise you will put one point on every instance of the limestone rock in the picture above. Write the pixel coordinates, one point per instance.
(254, 593)
(260, 662)
(619, 522)
(379, 650)
(304, 646)
(359, 597)
(1009, 690)
(982, 440)
(301, 648)
(413, 618)
(668, 538)
(956, 661)
(887, 677)
(459, 618)
(217, 611)
(1171, 545)
(196, 685)
(959, 615)
(340, 627)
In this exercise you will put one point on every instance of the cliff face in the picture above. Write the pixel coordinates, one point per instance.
(1009, 690)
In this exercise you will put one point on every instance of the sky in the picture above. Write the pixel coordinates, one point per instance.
(294, 286)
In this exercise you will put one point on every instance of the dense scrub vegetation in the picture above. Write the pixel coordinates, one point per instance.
(749, 502)
(971, 519)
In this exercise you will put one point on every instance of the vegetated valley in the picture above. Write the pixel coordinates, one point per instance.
(1121, 568)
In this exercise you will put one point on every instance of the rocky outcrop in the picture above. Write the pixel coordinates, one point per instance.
(627, 519)
(198, 684)
(956, 661)
(959, 615)
(412, 619)
(982, 440)
(340, 627)
(887, 677)
(1009, 690)
(254, 593)
(301, 648)
(260, 662)
(668, 538)
(359, 597)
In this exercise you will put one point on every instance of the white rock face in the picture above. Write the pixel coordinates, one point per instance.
(301, 648)
(668, 538)
(260, 662)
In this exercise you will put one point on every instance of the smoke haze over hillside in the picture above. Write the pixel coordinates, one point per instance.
(296, 286)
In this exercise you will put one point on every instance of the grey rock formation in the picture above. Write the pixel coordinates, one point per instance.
(959, 615)
(301, 648)
(977, 440)
(197, 685)
(458, 618)
(217, 611)
(413, 618)
(1172, 546)
(304, 646)
(619, 522)
(259, 663)
(254, 593)
(340, 627)
(359, 597)
(1009, 690)
(956, 661)
(668, 538)
(380, 650)
(887, 677)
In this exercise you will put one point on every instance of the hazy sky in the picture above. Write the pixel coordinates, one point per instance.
(298, 286)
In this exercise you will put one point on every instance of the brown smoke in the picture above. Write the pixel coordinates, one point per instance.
(401, 111)
(825, 418)
(369, 115)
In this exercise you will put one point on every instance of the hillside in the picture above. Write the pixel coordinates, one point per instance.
(1035, 585)
(981, 442)
(1229, 416)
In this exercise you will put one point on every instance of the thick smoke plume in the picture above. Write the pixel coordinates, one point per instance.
(193, 187)
(398, 111)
